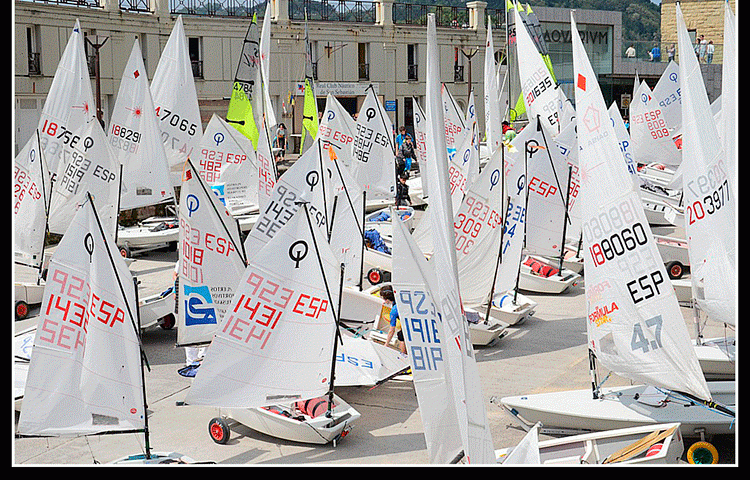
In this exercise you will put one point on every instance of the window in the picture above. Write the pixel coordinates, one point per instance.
(195, 51)
(33, 46)
(364, 62)
(411, 62)
(458, 65)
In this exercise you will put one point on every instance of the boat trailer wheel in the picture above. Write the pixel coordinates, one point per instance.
(218, 430)
(702, 453)
(675, 270)
(22, 310)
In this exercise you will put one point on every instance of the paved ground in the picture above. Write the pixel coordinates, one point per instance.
(545, 353)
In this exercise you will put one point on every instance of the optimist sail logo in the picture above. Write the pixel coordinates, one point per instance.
(199, 309)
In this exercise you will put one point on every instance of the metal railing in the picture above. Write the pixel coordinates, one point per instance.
(644, 51)
(218, 8)
(364, 71)
(333, 10)
(416, 14)
(74, 3)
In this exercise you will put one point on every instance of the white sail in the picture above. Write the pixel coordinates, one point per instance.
(547, 184)
(651, 136)
(455, 122)
(462, 369)
(85, 374)
(267, 173)
(623, 139)
(515, 216)
(424, 334)
(176, 102)
(362, 362)
(337, 128)
(476, 226)
(667, 95)
(88, 165)
(729, 74)
(227, 162)
(31, 192)
(69, 103)
(420, 145)
(347, 218)
(373, 150)
(538, 86)
(710, 219)
(265, 68)
(275, 342)
(135, 138)
(473, 125)
(211, 259)
(492, 108)
(635, 327)
(303, 181)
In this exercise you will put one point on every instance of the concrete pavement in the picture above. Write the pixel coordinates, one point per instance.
(545, 353)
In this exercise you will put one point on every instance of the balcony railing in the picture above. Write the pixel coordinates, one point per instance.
(458, 73)
(416, 14)
(333, 10)
(218, 8)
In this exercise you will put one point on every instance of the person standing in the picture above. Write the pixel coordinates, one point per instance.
(630, 52)
(402, 191)
(407, 152)
(710, 51)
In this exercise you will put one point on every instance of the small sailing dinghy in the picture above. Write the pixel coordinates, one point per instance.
(708, 171)
(657, 444)
(271, 363)
(634, 324)
(89, 331)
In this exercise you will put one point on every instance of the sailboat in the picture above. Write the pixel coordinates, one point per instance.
(658, 444)
(634, 324)
(88, 330)
(271, 363)
(211, 261)
(135, 137)
(176, 102)
(710, 210)
(435, 326)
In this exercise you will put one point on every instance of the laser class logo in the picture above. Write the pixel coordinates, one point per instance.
(199, 308)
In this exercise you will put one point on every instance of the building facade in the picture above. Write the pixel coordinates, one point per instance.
(354, 44)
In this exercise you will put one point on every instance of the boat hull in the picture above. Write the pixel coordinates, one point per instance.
(618, 407)
(597, 447)
(319, 430)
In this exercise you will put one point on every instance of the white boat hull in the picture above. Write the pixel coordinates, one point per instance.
(157, 310)
(512, 307)
(144, 237)
(602, 447)
(717, 358)
(618, 407)
(319, 430)
(532, 281)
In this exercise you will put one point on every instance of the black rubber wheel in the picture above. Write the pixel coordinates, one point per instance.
(218, 430)
(125, 251)
(167, 322)
(22, 310)
(675, 270)
(375, 276)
